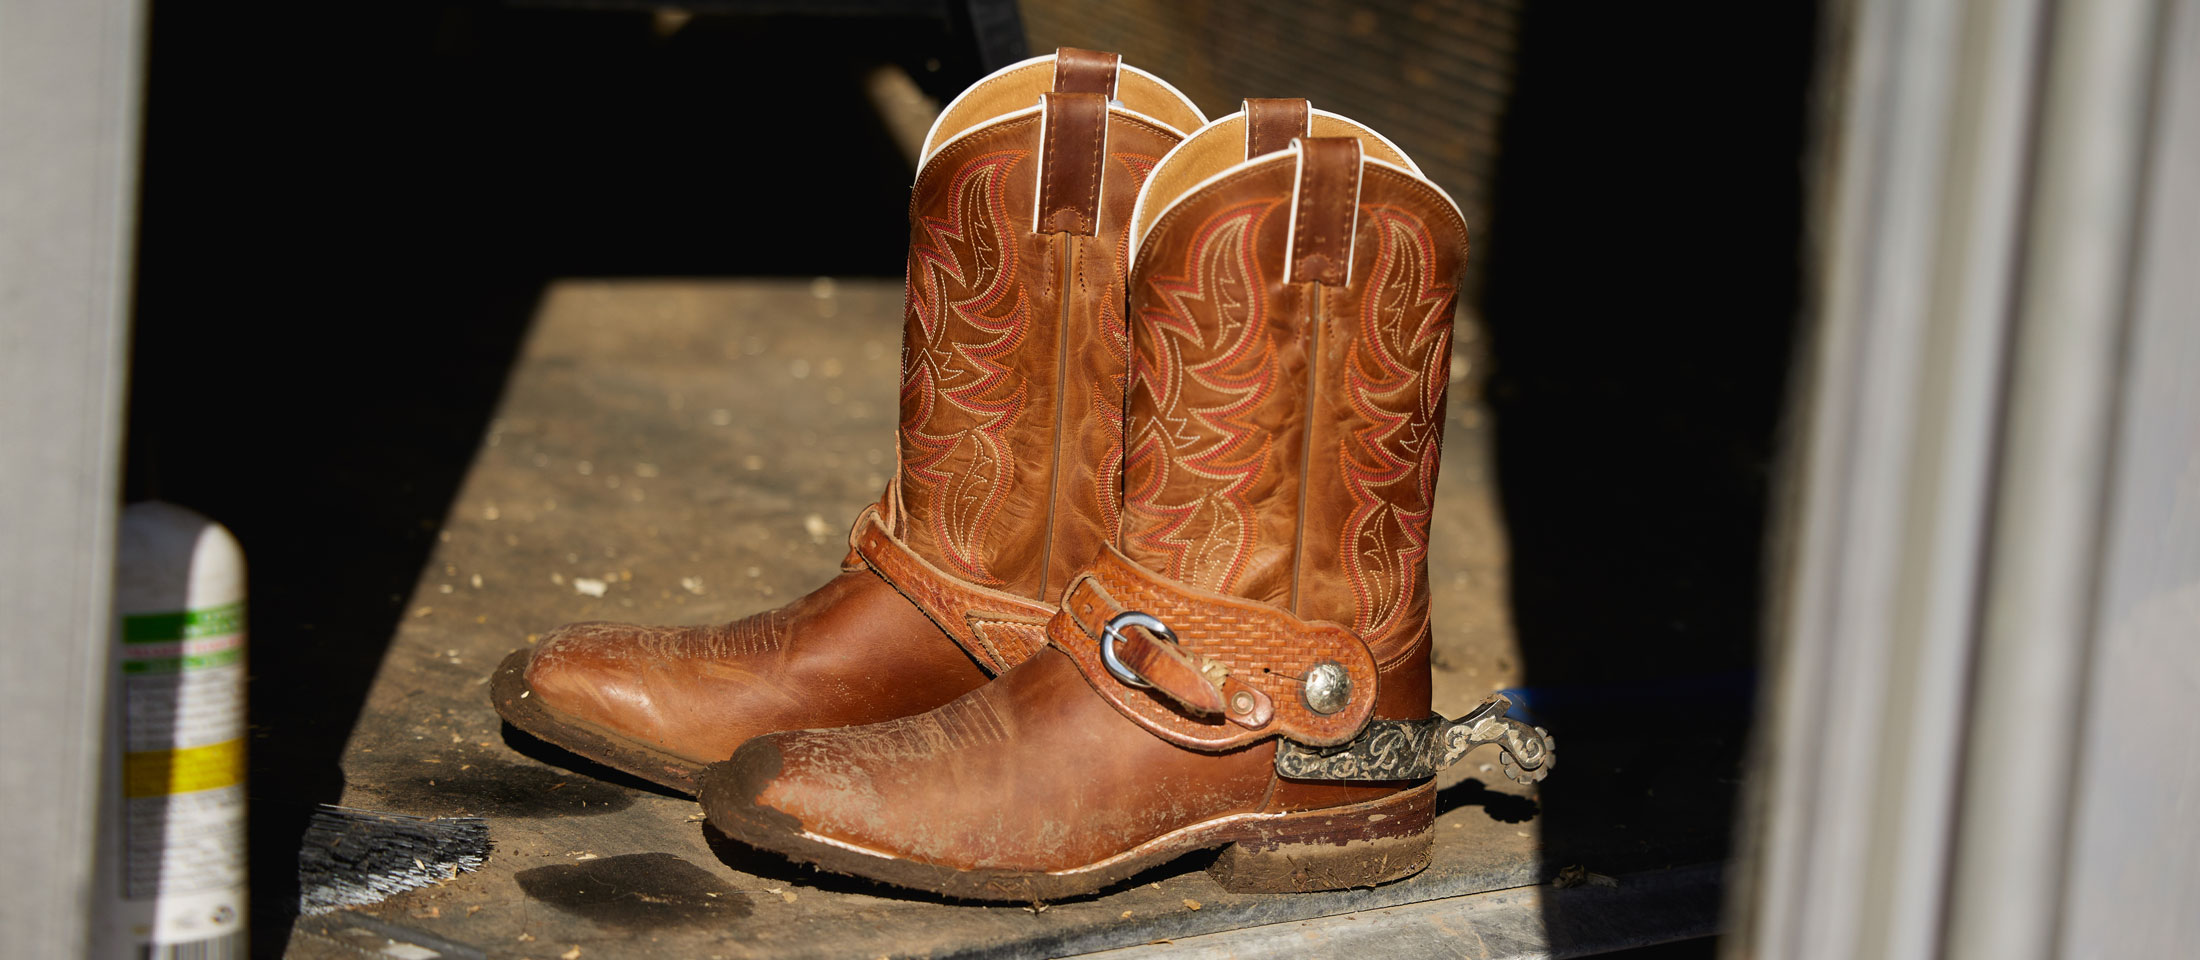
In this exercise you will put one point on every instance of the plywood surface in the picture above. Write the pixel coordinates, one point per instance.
(693, 451)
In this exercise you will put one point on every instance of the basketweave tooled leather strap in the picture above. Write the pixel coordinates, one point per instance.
(1235, 674)
(1000, 630)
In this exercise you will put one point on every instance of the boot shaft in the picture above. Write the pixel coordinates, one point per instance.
(1291, 319)
(1015, 351)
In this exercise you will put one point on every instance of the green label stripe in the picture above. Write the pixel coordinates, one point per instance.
(180, 664)
(183, 624)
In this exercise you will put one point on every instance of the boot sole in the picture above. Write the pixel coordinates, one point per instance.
(517, 704)
(1331, 849)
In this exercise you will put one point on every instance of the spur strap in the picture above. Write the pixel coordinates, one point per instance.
(1209, 671)
(999, 630)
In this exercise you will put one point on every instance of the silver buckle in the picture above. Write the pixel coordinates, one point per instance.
(1113, 632)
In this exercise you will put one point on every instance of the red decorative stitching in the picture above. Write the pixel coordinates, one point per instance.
(963, 464)
(1218, 289)
(1115, 334)
(1390, 461)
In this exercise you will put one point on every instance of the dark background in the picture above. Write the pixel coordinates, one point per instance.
(348, 215)
(1642, 280)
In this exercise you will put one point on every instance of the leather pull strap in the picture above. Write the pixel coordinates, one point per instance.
(1325, 207)
(1086, 71)
(1271, 124)
(1075, 139)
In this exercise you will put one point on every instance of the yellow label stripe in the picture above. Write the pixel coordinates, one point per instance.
(158, 773)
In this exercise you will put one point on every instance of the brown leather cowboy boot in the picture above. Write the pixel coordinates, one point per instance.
(1247, 665)
(1014, 354)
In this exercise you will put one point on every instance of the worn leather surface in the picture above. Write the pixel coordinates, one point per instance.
(1284, 437)
(1029, 772)
(1015, 359)
(1271, 124)
(1282, 447)
(1018, 88)
(1009, 462)
(1073, 148)
(853, 651)
(1223, 144)
(1256, 646)
(1323, 212)
(1086, 71)
(997, 629)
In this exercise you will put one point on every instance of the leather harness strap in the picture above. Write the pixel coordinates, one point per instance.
(999, 630)
(1237, 673)
(1271, 124)
(1197, 683)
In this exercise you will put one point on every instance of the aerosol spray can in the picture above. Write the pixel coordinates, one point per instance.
(177, 836)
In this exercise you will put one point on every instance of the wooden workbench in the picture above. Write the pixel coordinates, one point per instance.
(692, 452)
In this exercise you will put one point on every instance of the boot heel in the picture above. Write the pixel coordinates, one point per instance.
(1357, 846)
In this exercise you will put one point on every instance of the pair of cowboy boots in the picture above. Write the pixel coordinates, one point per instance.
(1151, 576)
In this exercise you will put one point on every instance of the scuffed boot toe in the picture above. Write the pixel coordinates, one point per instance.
(732, 788)
(588, 688)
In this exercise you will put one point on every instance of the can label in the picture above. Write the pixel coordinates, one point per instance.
(183, 877)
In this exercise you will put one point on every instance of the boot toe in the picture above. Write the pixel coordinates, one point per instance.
(599, 673)
(571, 661)
(819, 783)
(733, 792)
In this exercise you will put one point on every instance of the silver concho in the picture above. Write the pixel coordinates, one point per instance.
(1328, 688)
